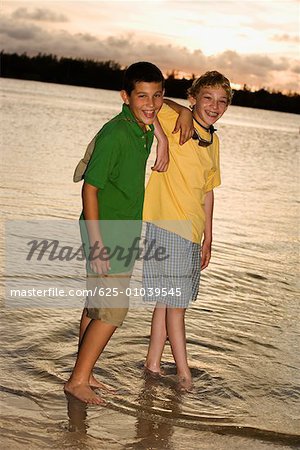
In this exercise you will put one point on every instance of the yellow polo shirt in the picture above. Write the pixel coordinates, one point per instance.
(174, 200)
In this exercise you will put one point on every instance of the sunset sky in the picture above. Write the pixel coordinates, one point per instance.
(252, 42)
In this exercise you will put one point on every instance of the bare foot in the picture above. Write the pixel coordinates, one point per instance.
(84, 393)
(154, 373)
(185, 384)
(94, 383)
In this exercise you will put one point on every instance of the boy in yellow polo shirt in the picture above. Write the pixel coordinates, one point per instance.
(178, 209)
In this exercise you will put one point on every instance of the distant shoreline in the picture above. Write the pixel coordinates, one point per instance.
(109, 74)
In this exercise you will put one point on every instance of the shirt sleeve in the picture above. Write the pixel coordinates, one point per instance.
(103, 160)
(214, 176)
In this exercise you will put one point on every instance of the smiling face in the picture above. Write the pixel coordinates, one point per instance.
(209, 104)
(145, 100)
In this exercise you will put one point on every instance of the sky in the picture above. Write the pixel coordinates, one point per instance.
(252, 42)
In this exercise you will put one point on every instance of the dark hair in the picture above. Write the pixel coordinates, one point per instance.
(141, 71)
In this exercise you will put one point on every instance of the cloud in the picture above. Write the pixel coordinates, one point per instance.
(296, 68)
(19, 32)
(39, 14)
(253, 69)
(285, 38)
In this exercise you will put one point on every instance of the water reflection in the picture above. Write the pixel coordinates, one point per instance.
(154, 426)
(154, 430)
(77, 413)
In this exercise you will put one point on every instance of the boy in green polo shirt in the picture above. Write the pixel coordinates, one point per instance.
(113, 191)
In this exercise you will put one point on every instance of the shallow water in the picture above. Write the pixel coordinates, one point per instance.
(243, 332)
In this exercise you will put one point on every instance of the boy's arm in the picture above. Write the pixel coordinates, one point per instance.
(91, 216)
(184, 122)
(162, 149)
(206, 244)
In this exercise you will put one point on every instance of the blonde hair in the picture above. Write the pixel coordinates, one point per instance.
(213, 79)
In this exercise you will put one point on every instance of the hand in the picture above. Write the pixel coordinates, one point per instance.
(185, 125)
(162, 156)
(206, 254)
(99, 263)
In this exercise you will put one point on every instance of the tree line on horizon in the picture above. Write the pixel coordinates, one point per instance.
(109, 75)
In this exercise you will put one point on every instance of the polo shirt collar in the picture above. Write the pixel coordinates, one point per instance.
(126, 111)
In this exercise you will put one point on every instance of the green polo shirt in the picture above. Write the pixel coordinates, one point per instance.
(117, 168)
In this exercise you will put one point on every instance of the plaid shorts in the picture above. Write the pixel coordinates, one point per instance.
(173, 281)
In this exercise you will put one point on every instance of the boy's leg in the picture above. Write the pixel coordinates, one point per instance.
(176, 334)
(84, 322)
(96, 336)
(157, 339)
(108, 309)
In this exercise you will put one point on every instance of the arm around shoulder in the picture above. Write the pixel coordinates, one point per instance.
(162, 149)
(184, 122)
